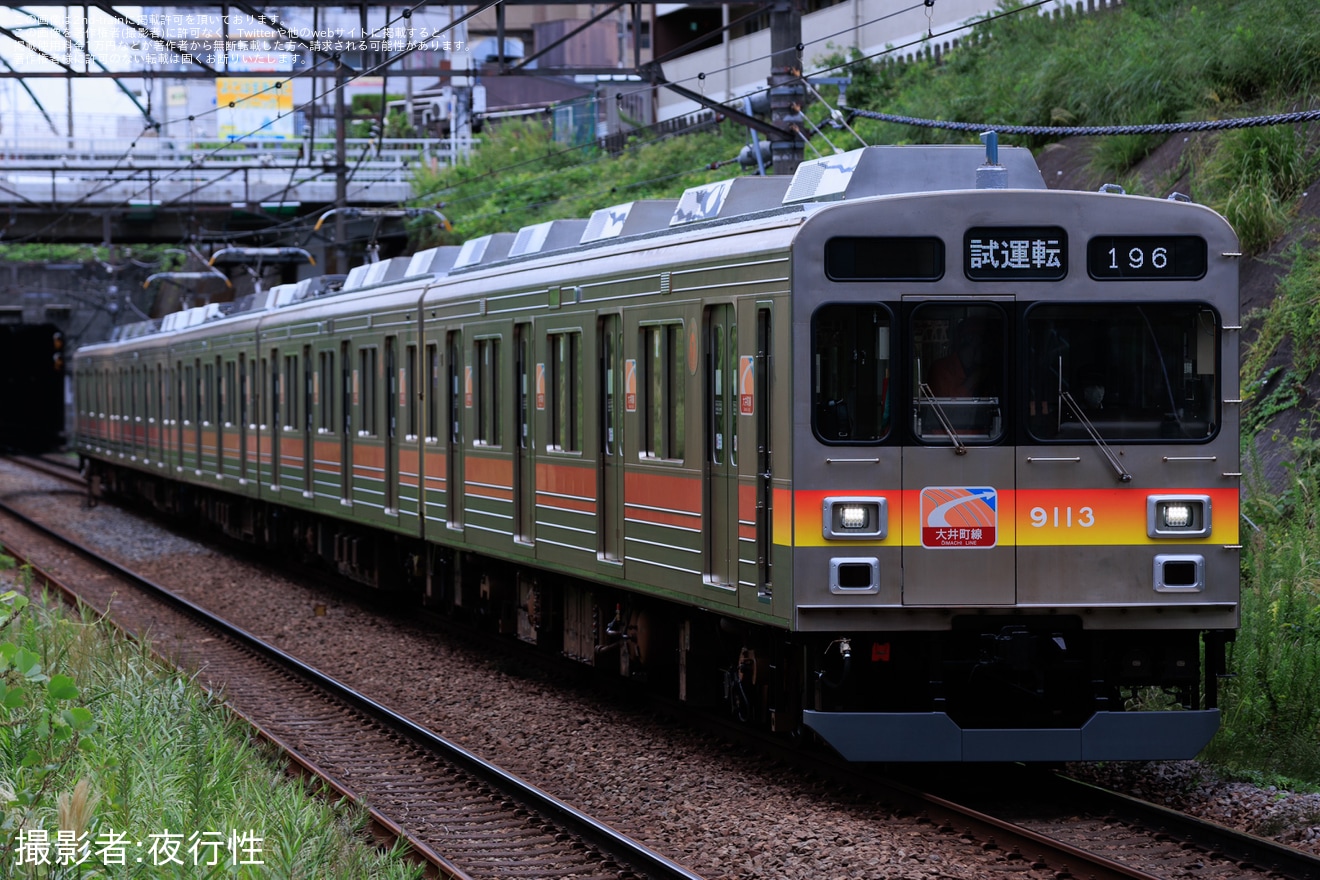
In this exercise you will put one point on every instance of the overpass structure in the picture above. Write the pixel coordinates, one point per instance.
(156, 189)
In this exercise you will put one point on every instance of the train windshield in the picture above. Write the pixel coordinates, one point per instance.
(958, 371)
(850, 373)
(1136, 371)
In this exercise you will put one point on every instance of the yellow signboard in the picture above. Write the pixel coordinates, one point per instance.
(258, 107)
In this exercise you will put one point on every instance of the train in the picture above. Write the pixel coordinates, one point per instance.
(32, 384)
(906, 453)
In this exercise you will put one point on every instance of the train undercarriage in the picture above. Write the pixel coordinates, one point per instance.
(987, 680)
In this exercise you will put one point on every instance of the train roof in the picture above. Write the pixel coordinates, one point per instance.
(863, 173)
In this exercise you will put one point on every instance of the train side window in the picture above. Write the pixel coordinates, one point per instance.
(486, 394)
(291, 385)
(410, 389)
(276, 390)
(1133, 371)
(308, 391)
(244, 391)
(564, 385)
(664, 359)
(733, 377)
(957, 372)
(850, 401)
(208, 393)
(432, 392)
(367, 363)
(231, 393)
(259, 388)
(199, 393)
(325, 393)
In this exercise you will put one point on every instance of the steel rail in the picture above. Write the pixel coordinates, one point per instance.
(626, 850)
(947, 813)
(1210, 836)
(384, 827)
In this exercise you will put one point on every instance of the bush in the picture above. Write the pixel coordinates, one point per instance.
(1272, 702)
(105, 744)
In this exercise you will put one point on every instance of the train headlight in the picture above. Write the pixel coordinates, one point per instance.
(854, 519)
(854, 516)
(1178, 516)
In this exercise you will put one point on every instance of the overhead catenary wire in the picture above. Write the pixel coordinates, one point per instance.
(825, 39)
(505, 169)
(313, 71)
(368, 72)
(278, 85)
(1095, 130)
(887, 51)
(614, 189)
(863, 113)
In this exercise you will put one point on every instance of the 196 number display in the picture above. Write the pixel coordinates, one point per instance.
(1163, 257)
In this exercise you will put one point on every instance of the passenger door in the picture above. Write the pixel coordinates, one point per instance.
(308, 423)
(392, 405)
(345, 422)
(454, 453)
(609, 510)
(721, 448)
(524, 454)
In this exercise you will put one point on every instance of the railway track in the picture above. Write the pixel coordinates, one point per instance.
(59, 467)
(1047, 819)
(1112, 843)
(1070, 809)
(432, 793)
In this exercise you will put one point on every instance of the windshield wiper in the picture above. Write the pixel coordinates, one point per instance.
(926, 396)
(1123, 475)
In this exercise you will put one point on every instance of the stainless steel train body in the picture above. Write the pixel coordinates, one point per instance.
(937, 472)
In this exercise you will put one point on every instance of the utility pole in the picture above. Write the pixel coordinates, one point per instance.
(68, 80)
(341, 170)
(787, 93)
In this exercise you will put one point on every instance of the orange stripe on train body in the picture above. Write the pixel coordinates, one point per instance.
(567, 486)
(492, 471)
(663, 499)
(1032, 517)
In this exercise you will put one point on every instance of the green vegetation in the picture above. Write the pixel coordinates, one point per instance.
(37, 252)
(365, 113)
(1272, 705)
(520, 176)
(97, 739)
(1150, 61)
(1254, 177)
(1154, 61)
(1285, 349)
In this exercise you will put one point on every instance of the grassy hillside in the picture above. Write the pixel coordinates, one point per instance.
(1152, 61)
